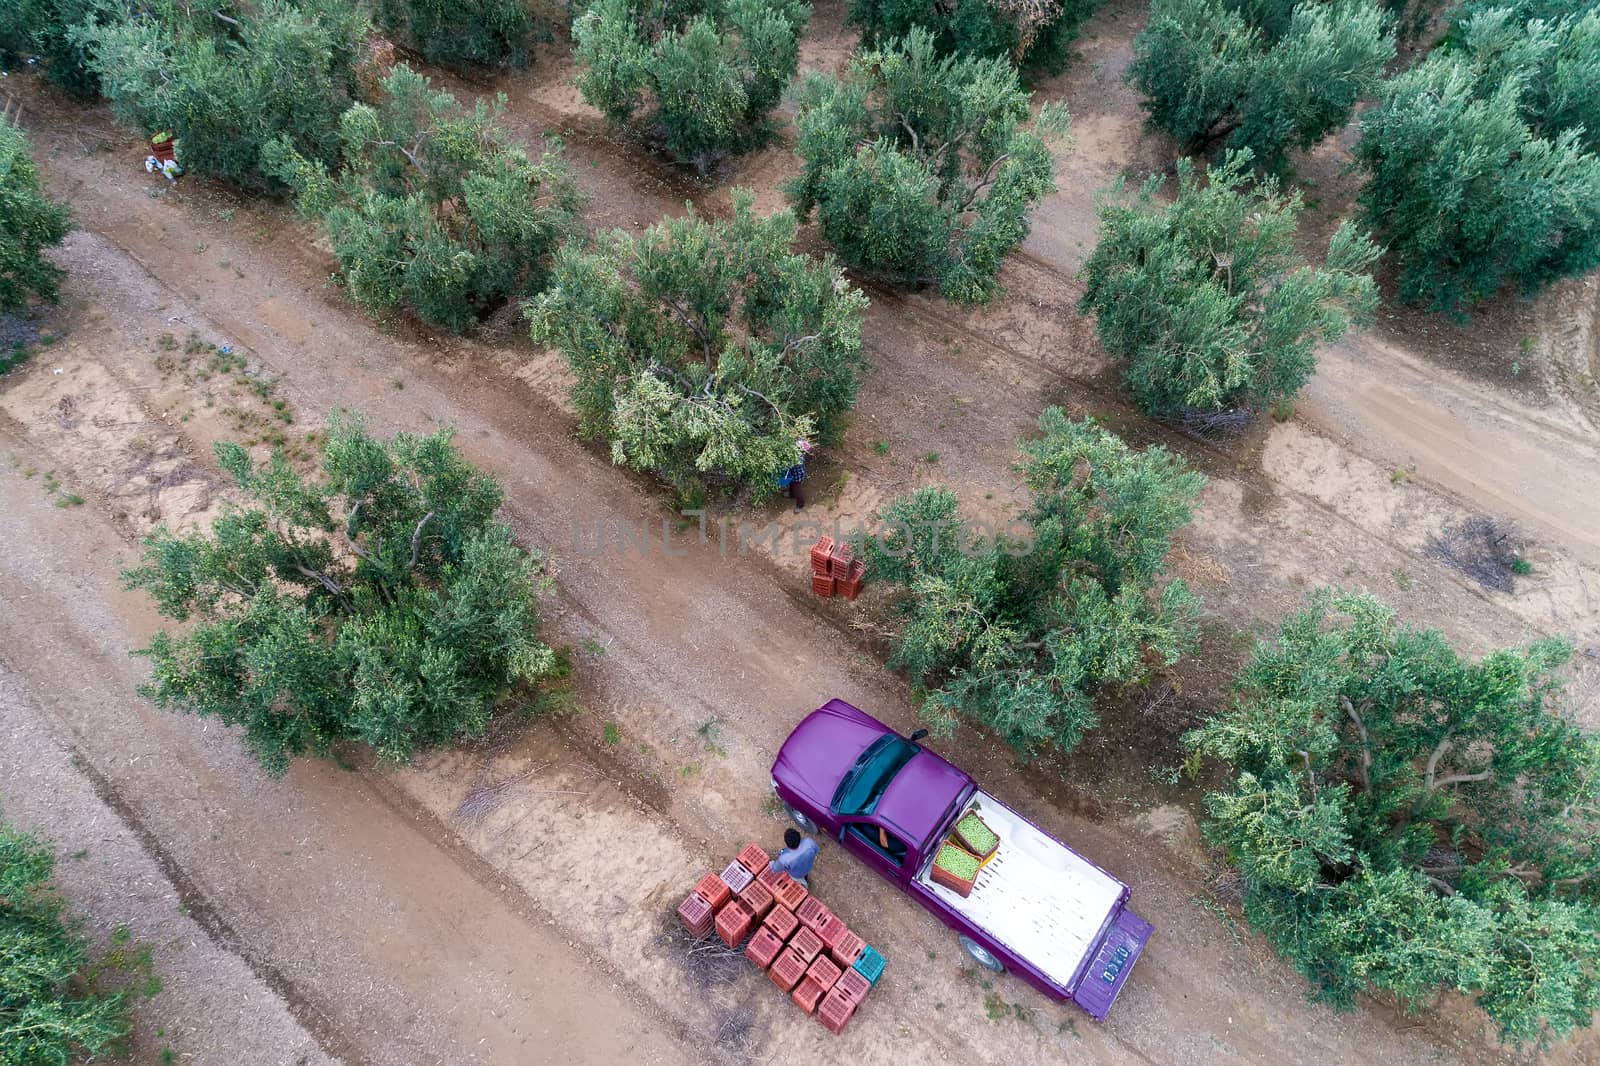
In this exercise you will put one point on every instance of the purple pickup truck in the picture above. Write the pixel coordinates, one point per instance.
(1038, 907)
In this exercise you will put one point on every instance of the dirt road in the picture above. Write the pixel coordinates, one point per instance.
(391, 926)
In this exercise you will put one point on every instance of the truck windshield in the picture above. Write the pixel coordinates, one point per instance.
(863, 786)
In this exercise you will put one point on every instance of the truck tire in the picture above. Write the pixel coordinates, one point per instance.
(981, 955)
(806, 824)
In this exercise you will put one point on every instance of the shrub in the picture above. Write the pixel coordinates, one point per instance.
(29, 223)
(433, 210)
(704, 351)
(712, 70)
(1018, 633)
(50, 1014)
(227, 85)
(1409, 822)
(50, 30)
(1556, 64)
(1030, 33)
(1266, 76)
(1207, 299)
(921, 168)
(461, 33)
(1469, 197)
(382, 604)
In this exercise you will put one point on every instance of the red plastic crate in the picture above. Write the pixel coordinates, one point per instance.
(831, 932)
(758, 898)
(783, 923)
(824, 971)
(735, 876)
(846, 948)
(772, 879)
(820, 553)
(813, 914)
(840, 558)
(696, 915)
(836, 1011)
(791, 895)
(787, 969)
(822, 586)
(755, 859)
(806, 944)
(807, 993)
(714, 890)
(763, 948)
(849, 586)
(734, 923)
(852, 984)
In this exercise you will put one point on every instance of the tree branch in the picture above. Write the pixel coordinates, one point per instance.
(1433, 765)
(1461, 779)
(1366, 744)
(416, 539)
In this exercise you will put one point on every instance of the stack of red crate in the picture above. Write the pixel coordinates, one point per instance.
(803, 946)
(835, 570)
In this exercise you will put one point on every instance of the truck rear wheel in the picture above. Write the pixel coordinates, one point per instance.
(981, 955)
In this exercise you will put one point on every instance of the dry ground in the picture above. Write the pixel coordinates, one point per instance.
(359, 916)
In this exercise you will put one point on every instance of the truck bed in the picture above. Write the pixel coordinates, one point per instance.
(1039, 898)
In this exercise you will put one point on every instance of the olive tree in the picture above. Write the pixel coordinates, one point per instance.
(1263, 75)
(1031, 33)
(462, 33)
(30, 222)
(1018, 630)
(50, 32)
(380, 603)
(703, 351)
(50, 1012)
(433, 209)
(1207, 298)
(705, 73)
(1556, 64)
(1407, 821)
(923, 168)
(227, 84)
(1473, 182)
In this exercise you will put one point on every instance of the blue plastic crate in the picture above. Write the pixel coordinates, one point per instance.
(870, 964)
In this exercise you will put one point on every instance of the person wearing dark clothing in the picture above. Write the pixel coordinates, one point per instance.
(789, 479)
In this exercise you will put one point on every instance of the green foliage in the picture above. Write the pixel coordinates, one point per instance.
(1523, 10)
(1032, 33)
(1263, 75)
(1018, 633)
(1408, 822)
(29, 223)
(433, 209)
(1555, 64)
(712, 70)
(1467, 194)
(382, 603)
(921, 168)
(1207, 298)
(45, 29)
(462, 33)
(50, 1015)
(704, 351)
(227, 85)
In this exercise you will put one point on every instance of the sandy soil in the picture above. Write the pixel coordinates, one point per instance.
(700, 659)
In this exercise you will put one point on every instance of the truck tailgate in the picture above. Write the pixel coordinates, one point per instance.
(1111, 963)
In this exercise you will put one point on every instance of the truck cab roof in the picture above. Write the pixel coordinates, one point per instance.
(849, 763)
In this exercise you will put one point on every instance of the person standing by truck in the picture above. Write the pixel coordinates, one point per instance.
(798, 856)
